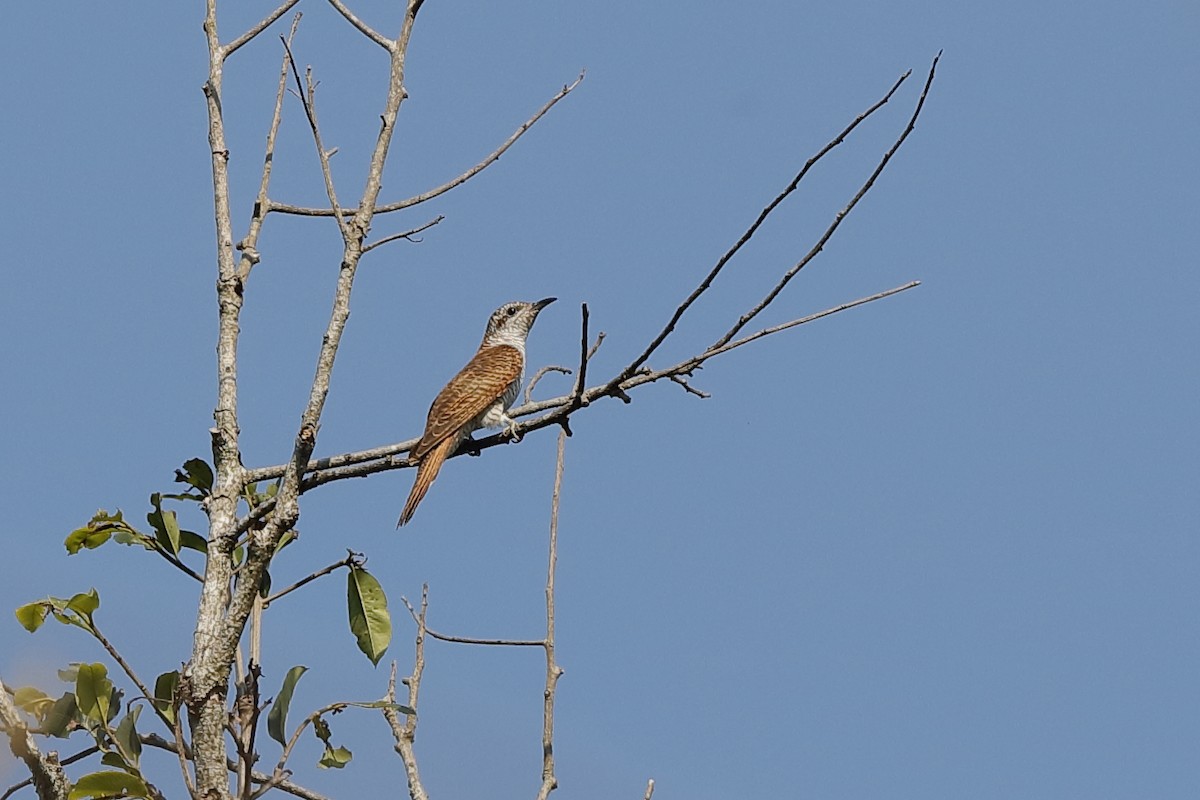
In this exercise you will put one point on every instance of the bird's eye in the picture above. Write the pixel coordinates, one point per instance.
(510, 310)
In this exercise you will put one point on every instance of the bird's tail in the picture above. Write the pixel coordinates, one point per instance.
(431, 464)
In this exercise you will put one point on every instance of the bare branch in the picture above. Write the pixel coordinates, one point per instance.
(294, 789)
(363, 28)
(749, 233)
(406, 734)
(553, 671)
(649, 790)
(48, 777)
(837, 220)
(725, 348)
(445, 187)
(541, 373)
(307, 95)
(128, 670)
(174, 561)
(233, 46)
(682, 381)
(352, 558)
(406, 235)
(262, 204)
(467, 639)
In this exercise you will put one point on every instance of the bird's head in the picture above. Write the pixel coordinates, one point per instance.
(510, 323)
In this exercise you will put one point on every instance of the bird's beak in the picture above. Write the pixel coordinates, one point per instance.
(540, 304)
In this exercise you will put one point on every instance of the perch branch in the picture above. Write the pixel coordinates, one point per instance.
(381, 459)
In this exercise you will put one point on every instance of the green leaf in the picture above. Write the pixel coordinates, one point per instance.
(193, 541)
(335, 757)
(84, 604)
(100, 527)
(196, 473)
(126, 737)
(277, 718)
(86, 538)
(94, 692)
(109, 784)
(33, 700)
(287, 538)
(62, 716)
(403, 709)
(32, 615)
(164, 693)
(70, 674)
(166, 526)
(113, 759)
(369, 619)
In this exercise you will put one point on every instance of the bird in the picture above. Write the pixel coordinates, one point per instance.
(478, 396)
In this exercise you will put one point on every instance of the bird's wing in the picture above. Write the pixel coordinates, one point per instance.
(469, 393)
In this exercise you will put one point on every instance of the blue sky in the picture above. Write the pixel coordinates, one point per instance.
(945, 545)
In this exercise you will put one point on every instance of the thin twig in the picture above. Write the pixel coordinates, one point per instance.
(181, 750)
(128, 670)
(682, 381)
(445, 187)
(233, 46)
(749, 233)
(307, 94)
(470, 639)
(175, 561)
(352, 558)
(837, 220)
(262, 204)
(363, 28)
(406, 235)
(584, 355)
(541, 373)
